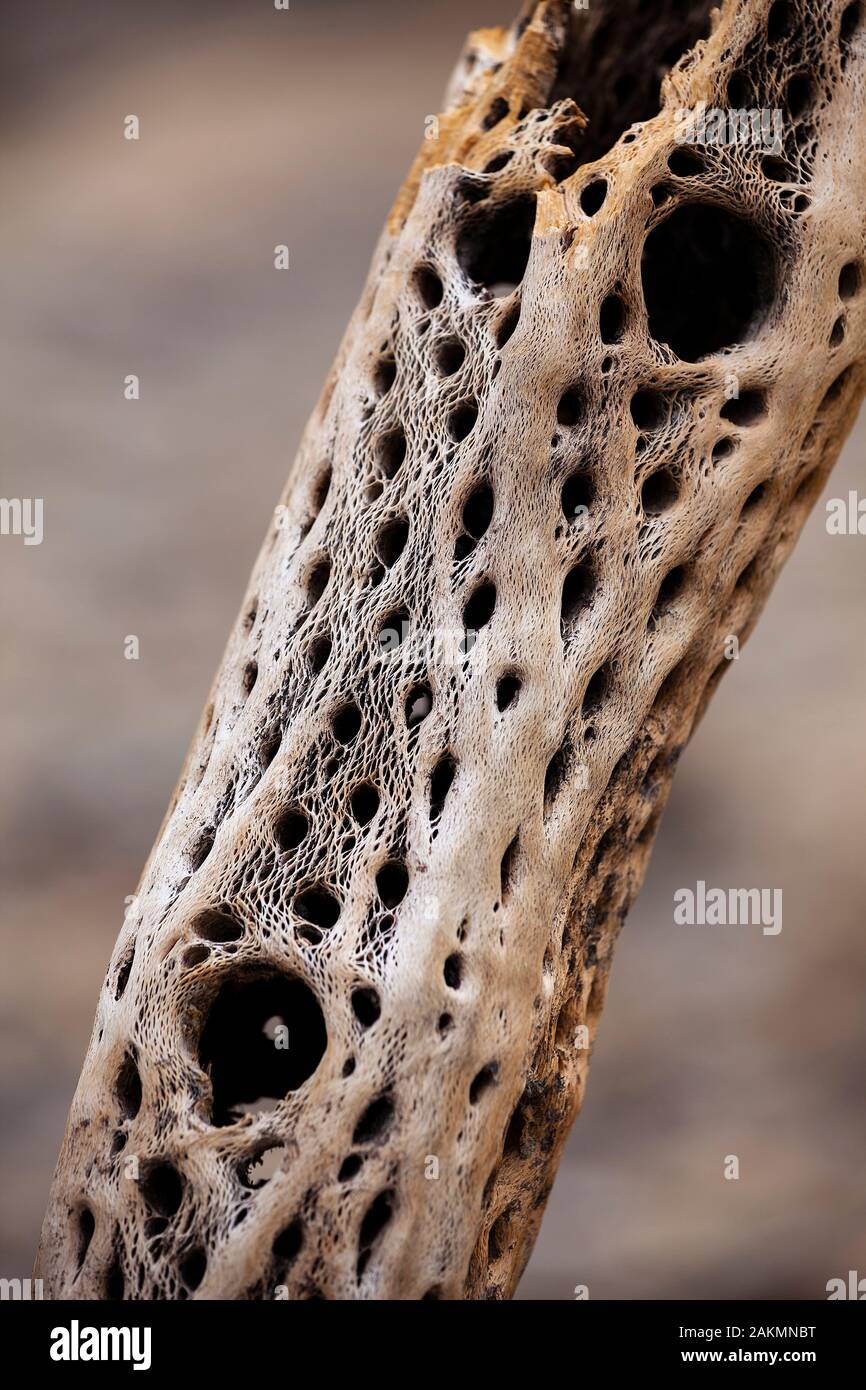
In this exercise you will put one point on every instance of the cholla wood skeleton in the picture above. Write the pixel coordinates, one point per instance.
(594, 385)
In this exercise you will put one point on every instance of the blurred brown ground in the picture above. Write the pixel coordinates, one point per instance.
(261, 127)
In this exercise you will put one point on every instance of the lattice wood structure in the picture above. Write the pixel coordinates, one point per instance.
(597, 378)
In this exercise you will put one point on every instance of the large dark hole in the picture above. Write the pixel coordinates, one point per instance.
(162, 1189)
(392, 881)
(615, 58)
(754, 499)
(849, 280)
(129, 1088)
(418, 705)
(649, 410)
(202, 848)
(270, 747)
(852, 17)
(578, 588)
(364, 802)
(291, 828)
(375, 1121)
(452, 971)
(708, 280)
(115, 1283)
(494, 246)
(780, 21)
(321, 489)
(395, 626)
(507, 324)
(498, 162)
(578, 493)
(448, 356)
(346, 722)
(596, 691)
(317, 580)
(571, 406)
(391, 540)
(611, 319)
(507, 690)
(123, 971)
(264, 1037)
(350, 1167)
(685, 163)
(777, 170)
(212, 925)
(376, 1218)
(659, 492)
(429, 286)
(557, 771)
(506, 867)
(86, 1227)
(497, 111)
(478, 510)
(391, 451)
(478, 609)
(462, 421)
(317, 905)
(318, 652)
(835, 389)
(669, 589)
(799, 94)
(746, 409)
(482, 1082)
(193, 1267)
(440, 784)
(366, 1005)
(251, 670)
(593, 196)
(384, 375)
(287, 1244)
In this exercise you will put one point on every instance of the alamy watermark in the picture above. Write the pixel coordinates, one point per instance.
(448, 645)
(77, 1343)
(21, 1290)
(762, 127)
(846, 516)
(22, 516)
(852, 1288)
(729, 907)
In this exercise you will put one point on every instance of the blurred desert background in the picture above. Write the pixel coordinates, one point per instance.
(260, 127)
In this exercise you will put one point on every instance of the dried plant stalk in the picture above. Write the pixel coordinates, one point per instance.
(596, 381)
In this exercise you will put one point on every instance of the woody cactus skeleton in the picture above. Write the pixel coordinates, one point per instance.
(597, 378)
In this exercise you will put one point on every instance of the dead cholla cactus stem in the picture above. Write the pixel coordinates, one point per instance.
(601, 368)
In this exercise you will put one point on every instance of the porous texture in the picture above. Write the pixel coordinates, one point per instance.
(413, 851)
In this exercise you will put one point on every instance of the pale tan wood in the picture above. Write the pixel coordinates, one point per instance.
(416, 1157)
